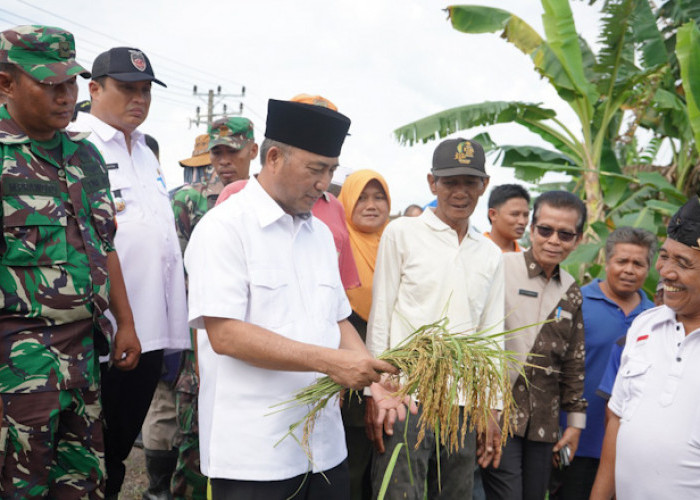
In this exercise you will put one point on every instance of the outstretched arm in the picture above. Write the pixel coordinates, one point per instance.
(350, 366)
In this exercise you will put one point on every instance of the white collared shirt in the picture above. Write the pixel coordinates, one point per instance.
(146, 241)
(249, 260)
(657, 397)
(423, 273)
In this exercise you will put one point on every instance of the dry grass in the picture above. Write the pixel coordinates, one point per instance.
(136, 479)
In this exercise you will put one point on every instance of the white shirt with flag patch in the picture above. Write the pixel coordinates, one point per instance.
(657, 397)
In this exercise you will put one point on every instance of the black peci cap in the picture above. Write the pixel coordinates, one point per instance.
(684, 226)
(317, 129)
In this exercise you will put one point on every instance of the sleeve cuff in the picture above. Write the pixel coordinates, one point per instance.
(577, 420)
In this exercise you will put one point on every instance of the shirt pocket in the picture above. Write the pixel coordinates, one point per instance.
(326, 301)
(34, 229)
(270, 301)
(633, 377)
(124, 194)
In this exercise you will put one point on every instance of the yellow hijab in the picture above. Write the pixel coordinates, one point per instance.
(364, 245)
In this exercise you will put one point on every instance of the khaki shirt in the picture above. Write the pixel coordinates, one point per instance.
(556, 349)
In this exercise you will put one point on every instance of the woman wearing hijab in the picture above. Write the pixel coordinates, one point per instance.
(365, 198)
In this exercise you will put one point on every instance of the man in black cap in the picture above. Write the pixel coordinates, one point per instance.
(147, 243)
(264, 283)
(429, 267)
(652, 440)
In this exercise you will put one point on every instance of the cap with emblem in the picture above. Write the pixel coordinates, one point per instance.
(45, 53)
(684, 226)
(200, 154)
(313, 128)
(459, 157)
(234, 132)
(125, 64)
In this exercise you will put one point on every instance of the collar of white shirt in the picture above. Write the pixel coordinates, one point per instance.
(104, 130)
(437, 224)
(267, 209)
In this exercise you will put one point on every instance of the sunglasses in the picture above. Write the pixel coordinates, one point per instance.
(564, 236)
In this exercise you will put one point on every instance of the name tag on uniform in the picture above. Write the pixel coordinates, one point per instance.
(112, 166)
(527, 293)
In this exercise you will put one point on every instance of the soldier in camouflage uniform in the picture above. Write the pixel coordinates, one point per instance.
(231, 148)
(56, 263)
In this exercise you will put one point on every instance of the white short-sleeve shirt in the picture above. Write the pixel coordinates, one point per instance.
(146, 241)
(657, 397)
(249, 260)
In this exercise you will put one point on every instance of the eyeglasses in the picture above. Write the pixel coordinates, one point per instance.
(564, 236)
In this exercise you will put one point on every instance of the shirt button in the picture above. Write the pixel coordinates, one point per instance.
(61, 174)
(678, 359)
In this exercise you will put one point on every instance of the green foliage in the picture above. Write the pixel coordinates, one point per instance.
(631, 76)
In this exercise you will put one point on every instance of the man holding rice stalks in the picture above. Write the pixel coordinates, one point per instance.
(264, 282)
(538, 290)
(429, 267)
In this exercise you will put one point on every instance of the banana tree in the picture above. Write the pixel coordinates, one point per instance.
(598, 87)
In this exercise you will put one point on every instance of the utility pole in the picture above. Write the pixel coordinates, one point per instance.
(210, 114)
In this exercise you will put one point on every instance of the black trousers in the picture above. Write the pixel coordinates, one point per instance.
(126, 396)
(335, 485)
(523, 473)
(574, 482)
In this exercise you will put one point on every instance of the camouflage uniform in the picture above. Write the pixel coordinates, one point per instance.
(190, 203)
(57, 226)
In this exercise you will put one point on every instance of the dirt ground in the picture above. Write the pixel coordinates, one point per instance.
(136, 480)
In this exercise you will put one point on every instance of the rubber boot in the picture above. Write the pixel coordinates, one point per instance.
(160, 465)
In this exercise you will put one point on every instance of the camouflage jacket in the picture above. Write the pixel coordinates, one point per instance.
(57, 227)
(190, 203)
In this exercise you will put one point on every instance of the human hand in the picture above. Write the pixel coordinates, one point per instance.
(126, 350)
(373, 432)
(569, 438)
(357, 369)
(488, 450)
(387, 409)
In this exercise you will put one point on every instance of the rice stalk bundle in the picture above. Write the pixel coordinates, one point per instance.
(438, 368)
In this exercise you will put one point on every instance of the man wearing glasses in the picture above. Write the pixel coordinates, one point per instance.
(538, 290)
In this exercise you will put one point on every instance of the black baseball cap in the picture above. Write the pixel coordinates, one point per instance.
(459, 157)
(125, 64)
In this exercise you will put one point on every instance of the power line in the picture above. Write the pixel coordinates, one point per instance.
(179, 63)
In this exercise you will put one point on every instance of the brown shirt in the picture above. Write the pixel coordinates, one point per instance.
(556, 348)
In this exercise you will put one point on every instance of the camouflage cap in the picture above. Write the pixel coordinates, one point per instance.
(233, 132)
(45, 53)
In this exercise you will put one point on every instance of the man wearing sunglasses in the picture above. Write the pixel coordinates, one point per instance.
(538, 291)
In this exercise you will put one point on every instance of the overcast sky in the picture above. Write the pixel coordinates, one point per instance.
(384, 63)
